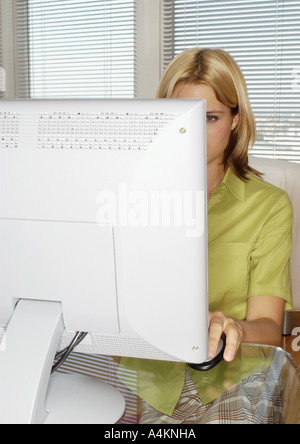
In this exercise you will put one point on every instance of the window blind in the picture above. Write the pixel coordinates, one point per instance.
(264, 38)
(73, 48)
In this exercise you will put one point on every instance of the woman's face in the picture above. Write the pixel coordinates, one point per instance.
(220, 121)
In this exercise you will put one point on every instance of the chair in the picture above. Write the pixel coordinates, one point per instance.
(286, 175)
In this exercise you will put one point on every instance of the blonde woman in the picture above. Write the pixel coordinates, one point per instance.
(249, 233)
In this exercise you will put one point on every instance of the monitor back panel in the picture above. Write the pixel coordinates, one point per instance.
(103, 207)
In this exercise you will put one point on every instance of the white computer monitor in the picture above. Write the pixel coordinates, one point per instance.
(103, 215)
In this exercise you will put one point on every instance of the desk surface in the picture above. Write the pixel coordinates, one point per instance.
(281, 375)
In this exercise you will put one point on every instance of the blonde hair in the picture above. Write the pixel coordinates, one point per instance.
(218, 69)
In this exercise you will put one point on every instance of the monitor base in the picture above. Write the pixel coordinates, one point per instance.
(76, 399)
(28, 394)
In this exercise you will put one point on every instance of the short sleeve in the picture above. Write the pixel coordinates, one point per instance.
(270, 258)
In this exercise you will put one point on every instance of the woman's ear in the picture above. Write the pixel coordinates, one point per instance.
(235, 122)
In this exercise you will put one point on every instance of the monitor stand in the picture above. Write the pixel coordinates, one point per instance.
(28, 394)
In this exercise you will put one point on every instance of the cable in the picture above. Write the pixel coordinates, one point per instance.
(78, 336)
(62, 356)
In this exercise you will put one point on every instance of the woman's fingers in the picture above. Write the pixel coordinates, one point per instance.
(216, 328)
(234, 337)
(219, 324)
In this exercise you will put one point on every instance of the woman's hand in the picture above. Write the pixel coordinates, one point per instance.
(262, 326)
(219, 324)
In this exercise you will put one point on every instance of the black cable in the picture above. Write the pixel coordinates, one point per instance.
(62, 356)
(80, 338)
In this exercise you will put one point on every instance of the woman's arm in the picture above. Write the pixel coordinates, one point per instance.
(262, 326)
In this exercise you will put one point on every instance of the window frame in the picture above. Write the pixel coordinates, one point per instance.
(148, 48)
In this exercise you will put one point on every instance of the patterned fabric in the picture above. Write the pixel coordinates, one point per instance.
(256, 400)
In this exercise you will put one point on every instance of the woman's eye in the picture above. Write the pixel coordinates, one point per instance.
(211, 118)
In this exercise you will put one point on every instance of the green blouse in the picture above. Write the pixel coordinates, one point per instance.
(249, 246)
